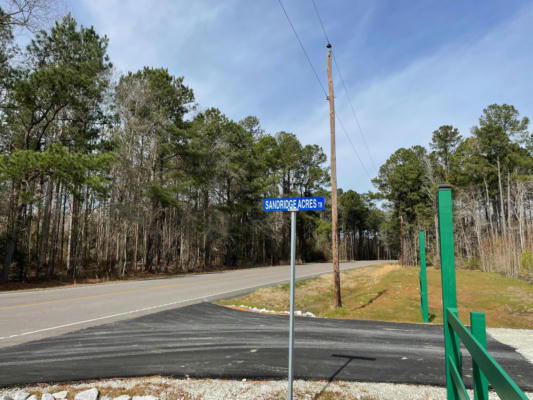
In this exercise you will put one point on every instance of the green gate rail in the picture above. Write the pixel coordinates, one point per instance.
(485, 368)
(423, 277)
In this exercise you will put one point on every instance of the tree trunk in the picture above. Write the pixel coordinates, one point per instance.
(45, 228)
(125, 250)
(509, 214)
(206, 230)
(436, 257)
(487, 207)
(55, 228)
(14, 237)
(63, 215)
(84, 242)
(502, 209)
(72, 260)
(521, 214)
(27, 220)
(135, 252)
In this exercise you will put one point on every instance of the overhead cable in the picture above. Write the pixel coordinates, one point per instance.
(354, 114)
(343, 128)
(320, 20)
(303, 49)
(356, 120)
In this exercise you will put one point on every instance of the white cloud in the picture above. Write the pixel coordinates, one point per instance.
(241, 56)
(144, 32)
(451, 86)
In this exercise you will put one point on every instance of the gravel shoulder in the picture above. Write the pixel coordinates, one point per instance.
(520, 339)
(220, 389)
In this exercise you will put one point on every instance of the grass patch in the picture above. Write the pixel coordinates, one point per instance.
(391, 293)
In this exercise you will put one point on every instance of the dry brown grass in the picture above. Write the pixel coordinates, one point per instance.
(391, 293)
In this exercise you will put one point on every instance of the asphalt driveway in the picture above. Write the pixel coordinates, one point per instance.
(206, 340)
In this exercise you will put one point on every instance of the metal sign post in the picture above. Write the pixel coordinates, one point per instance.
(291, 315)
(293, 205)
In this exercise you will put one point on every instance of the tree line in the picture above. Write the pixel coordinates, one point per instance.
(104, 176)
(491, 175)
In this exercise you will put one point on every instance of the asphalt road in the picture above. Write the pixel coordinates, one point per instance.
(205, 340)
(31, 315)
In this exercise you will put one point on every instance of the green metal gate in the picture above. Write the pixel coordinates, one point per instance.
(485, 369)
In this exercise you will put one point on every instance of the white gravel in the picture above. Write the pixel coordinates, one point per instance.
(520, 339)
(297, 313)
(219, 389)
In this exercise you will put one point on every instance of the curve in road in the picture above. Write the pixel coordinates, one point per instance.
(31, 315)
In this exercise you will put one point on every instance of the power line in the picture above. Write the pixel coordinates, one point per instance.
(321, 85)
(321, 23)
(356, 120)
(351, 143)
(303, 49)
(353, 111)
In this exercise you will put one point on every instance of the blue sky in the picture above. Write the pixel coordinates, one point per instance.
(410, 66)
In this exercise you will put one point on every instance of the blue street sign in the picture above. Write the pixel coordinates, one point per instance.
(294, 204)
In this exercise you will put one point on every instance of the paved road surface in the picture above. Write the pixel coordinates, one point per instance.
(205, 340)
(37, 314)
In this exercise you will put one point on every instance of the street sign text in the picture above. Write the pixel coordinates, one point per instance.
(294, 204)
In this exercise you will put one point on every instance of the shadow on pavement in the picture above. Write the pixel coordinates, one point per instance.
(349, 359)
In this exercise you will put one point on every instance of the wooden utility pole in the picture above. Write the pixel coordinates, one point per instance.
(334, 230)
(402, 247)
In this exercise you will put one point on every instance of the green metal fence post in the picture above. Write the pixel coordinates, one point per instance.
(423, 277)
(454, 357)
(497, 377)
(477, 326)
(449, 294)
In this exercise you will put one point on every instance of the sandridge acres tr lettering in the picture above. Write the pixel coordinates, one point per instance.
(287, 204)
(281, 204)
(307, 203)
